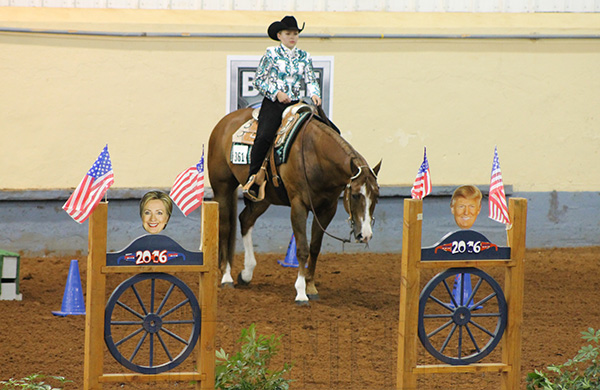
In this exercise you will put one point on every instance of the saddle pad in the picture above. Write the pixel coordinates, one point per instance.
(243, 138)
(247, 132)
(284, 143)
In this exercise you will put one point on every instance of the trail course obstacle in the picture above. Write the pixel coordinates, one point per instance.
(151, 259)
(460, 254)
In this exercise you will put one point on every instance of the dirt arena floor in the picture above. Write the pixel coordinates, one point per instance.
(346, 340)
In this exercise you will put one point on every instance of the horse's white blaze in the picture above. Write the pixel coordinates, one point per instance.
(301, 289)
(226, 279)
(249, 259)
(365, 229)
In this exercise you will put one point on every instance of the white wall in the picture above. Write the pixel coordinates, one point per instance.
(154, 100)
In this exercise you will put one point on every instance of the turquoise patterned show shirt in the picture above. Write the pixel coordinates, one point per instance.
(282, 69)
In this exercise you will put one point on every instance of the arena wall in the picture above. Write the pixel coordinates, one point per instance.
(152, 84)
(38, 226)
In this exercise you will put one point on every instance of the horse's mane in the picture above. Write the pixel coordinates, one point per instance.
(343, 144)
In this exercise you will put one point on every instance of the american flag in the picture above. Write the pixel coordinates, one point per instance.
(422, 186)
(498, 208)
(188, 189)
(92, 188)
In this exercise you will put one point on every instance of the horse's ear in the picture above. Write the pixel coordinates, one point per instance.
(376, 168)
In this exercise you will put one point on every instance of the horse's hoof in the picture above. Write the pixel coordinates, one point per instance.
(241, 280)
(227, 285)
(313, 297)
(302, 303)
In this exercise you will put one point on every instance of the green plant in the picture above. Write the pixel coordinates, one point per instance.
(34, 382)
(249, 368)
(580, 373)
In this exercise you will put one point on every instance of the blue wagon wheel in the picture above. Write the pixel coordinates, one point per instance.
(152, 322)
(462, 315)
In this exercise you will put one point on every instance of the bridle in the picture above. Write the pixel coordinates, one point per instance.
(348, 198)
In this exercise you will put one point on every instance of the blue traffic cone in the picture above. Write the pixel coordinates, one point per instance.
(73, 297)
(290, 258)
(467, 290)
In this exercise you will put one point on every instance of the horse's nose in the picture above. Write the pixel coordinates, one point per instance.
(364, 238)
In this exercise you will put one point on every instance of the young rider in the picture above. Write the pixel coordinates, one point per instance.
(278, 78)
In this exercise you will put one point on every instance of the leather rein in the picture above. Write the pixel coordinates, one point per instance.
(312, 207)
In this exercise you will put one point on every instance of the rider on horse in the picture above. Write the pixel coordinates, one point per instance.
(278, 78)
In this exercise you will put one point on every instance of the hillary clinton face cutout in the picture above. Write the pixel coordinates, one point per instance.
(155, 216)
(155, 211)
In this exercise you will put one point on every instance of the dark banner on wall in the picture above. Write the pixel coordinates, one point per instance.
(240, 74)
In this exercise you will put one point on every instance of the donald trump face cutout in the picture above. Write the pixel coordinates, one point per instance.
(466, 205)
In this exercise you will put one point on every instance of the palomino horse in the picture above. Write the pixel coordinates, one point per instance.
(320, 166)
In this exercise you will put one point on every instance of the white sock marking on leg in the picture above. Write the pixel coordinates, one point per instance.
(227, 276)
(249, 259)
(301, 289)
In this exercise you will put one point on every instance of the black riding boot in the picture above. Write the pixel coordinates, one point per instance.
(269, 120)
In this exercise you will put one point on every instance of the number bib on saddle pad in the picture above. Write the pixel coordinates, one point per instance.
(240, 154)
(242, 140)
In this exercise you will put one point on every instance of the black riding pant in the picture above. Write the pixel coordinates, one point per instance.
(269, 120)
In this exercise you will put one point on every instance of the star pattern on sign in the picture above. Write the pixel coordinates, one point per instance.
(101, 166)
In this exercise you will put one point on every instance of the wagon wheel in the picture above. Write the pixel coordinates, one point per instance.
(153, 334)
(459, 327)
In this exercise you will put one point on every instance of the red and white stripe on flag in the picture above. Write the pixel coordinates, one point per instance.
(497, 196)
(188, 189)
(422, 185)
(93, 186)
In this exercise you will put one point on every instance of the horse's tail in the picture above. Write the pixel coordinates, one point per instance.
(224, 186)
(231, 205)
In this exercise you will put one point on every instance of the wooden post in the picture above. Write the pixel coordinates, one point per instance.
(97, 269)
(513, 290)
(510, 367)
(409, 294)
(208, 293)
(93, 363)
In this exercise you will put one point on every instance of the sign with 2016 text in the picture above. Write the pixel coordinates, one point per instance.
(464, 245)
(154, 249)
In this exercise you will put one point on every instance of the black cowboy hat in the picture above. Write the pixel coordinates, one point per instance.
(287, 23)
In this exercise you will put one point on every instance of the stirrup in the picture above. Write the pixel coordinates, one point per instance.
(254, 192)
